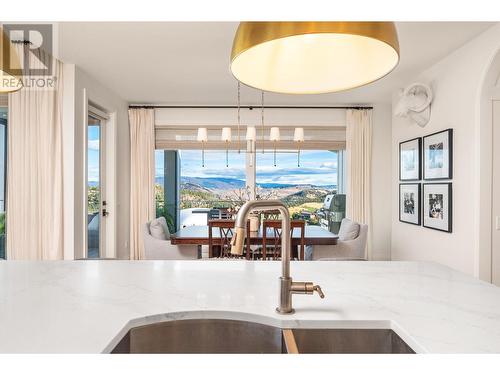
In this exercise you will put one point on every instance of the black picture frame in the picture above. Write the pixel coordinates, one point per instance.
(449, 176)
(449, 229)
(419, 205)
(419, 158)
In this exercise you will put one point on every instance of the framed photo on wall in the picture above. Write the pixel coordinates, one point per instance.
(438, 155)
(409, 204)
(437, 206)
(410, 158)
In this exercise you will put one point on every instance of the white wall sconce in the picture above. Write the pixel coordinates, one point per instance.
(203, 138)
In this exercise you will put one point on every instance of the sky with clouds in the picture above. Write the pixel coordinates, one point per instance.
(316, 167)
(93, 153)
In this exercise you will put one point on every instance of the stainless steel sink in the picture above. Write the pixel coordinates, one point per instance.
(202, 336)
(349, 341)
(213, 336)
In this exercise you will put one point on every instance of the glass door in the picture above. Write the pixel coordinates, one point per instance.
(96, 200)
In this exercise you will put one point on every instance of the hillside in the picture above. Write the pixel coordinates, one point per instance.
(214, 183)
(228, 183)
(211, 191)
(195, 187)
(311, 194)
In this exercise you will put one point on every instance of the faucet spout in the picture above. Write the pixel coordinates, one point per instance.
(287, 286)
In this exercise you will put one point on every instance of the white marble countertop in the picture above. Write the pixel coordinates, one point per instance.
(87, 306)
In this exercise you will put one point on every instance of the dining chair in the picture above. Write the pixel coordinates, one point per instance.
(273, 242)
(222, 243)
(271, 215)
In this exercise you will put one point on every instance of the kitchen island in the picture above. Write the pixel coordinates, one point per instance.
(88, 306)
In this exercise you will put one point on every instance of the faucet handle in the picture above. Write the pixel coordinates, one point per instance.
(317, 288)
(301, 287)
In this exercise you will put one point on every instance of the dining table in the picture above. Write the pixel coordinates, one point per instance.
(198, 235)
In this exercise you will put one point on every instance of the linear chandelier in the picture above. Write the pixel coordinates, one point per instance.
(251, 135)
(251, 139)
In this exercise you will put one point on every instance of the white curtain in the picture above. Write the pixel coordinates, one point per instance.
(35, 223)
(359, 158)
(142, 151)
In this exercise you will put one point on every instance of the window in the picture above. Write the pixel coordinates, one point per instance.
(187, 193)
(302, 188)
(97, 205)
(198, 189)
(215, 185)
(93, 186)
(160, 182)
(166, 187)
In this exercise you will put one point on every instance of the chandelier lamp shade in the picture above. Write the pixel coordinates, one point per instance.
(202, 135)
(298, 135)
(274, 135)
(313, 57)
(226, 135)
(251, 138)
(10, 67)
(251, 134)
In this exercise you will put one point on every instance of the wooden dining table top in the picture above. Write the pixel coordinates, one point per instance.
(198, 235)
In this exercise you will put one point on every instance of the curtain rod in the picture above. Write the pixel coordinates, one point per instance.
(250, 107)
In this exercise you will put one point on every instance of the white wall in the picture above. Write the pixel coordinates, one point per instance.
(272, 116)
(495, 238)
(456, 81)
(77, 82)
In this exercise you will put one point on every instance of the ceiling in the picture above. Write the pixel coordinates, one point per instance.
(187, 63)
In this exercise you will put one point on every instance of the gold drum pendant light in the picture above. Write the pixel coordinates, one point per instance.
(313, 57)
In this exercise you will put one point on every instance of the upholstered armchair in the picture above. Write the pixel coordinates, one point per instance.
(157, 244)
(351, 244)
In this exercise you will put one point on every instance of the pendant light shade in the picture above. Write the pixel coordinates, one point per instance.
(313, 57)
(226, 135)
(274, 135)
(251, 134)
(10, 80)
(202, 135)
(298, 135)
